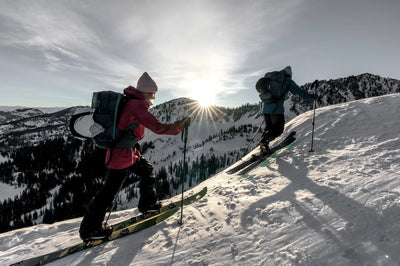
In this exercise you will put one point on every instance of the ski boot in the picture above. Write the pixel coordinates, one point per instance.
(104, 232)
(264, 147)
(153, 209)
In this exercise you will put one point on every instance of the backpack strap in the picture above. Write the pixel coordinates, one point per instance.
(125, 139)
(122, 138)
(116, 116)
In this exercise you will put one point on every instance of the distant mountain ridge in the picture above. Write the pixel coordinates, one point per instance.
(28, 126)
(36, 109)
(22, 126)
(346, 89)
(25, 126)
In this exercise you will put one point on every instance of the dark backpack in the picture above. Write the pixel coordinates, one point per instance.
(100, 123)
(272, 87)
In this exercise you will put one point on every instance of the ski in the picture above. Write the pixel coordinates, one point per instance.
(126, 227)
(262, 156)
(254, 164)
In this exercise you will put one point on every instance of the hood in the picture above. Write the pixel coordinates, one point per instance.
(287, 71)
(132, 91)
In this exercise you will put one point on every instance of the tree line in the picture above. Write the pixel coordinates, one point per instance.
(60, 176)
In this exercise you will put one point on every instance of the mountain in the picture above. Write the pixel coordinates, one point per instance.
(50, 176)
(29, 126)
(336, 206)
(24, 126)
(343, 90)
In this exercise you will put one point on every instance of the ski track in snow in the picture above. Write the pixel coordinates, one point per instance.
(336, 206)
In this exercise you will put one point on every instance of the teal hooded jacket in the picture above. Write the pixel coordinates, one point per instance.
(278, 108)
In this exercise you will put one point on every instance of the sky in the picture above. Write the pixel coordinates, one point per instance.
(57, 53)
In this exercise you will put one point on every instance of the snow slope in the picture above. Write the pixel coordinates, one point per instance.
(337, 206)
(8, 192)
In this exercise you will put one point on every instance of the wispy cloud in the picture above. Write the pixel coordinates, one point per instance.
(206, 45)
(191, 47)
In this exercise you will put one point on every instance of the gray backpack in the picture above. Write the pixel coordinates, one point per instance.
(100, 124)
(273, 86)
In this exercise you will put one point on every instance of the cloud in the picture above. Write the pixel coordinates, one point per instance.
(208, 43)
(190, 46)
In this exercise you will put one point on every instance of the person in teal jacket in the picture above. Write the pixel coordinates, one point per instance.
(274, 111)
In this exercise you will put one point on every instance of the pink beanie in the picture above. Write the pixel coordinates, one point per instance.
(146, 84)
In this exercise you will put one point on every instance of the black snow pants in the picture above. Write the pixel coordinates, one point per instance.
(274, 126)
(104, 198)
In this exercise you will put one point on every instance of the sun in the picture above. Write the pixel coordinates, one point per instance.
(205, 100)
(204, 92)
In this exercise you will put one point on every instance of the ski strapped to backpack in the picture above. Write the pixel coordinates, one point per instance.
(100, 124)
(273, 86)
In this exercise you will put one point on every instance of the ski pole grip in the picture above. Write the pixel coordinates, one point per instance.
(315, 84)
(187, 121)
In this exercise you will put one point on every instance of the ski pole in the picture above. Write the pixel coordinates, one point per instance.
(262, 122)
(115, 200)
(261, 107)
(315, 85)
(184, 137)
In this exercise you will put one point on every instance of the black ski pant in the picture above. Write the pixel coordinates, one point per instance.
(104, 198)
(274, 126)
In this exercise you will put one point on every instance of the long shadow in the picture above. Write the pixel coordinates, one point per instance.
(123, 254)
(365, 225)
(175, 246)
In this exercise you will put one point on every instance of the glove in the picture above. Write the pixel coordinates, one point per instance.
(138, 147)
(315, 83)
(185, 122)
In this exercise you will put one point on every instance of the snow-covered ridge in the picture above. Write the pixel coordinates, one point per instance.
(42, 109)
(24, 126)
(336, 206)
(343, 90)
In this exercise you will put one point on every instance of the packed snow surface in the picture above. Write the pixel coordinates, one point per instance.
(338, 205)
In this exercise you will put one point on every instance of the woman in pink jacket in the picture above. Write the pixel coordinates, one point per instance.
(120, 162)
